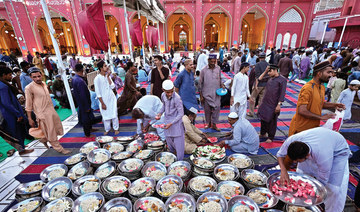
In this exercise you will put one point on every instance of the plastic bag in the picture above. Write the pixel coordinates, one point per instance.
(335, 123)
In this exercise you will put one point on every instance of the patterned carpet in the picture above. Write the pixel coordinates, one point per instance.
(75, 138)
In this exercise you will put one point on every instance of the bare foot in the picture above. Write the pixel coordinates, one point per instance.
(250, 114)
(26, 151)
(65, 152)
(268, 140)
(215, 128)
(116, 132)
(262, 136)
(90, 136)
(44, 141)
(105, 133)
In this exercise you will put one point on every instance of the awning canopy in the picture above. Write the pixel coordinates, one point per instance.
(340, 22)
(150, 8)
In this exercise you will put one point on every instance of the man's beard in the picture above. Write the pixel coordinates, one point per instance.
(211, 65)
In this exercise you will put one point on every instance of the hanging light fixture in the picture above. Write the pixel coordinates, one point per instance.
(6, 31)
(213, 25)
(181, 26)
(68, 29)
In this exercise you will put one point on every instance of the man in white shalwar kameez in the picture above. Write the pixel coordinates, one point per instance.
(202, 61)
(104, 91)
(235, 65)
(240, 91)
(145, 112)
(347, 97)
(323, 154)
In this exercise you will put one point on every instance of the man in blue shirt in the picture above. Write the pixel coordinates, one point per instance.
(142, 76)
(184, 86)
(25, 78)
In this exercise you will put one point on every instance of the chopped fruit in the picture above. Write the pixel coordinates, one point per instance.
(308, 201)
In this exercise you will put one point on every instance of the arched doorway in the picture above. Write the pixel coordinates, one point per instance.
(216, 29)
(179, 27)
(8, 42)
(64, 34)
(114, 31)
(253, 26)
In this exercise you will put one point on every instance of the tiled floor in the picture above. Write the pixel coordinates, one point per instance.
(12, 166)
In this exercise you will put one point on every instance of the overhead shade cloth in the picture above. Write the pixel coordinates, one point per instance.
(152, 36)
(93, 24)
(136, 33)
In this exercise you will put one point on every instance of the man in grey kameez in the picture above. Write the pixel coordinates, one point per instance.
(210, 81)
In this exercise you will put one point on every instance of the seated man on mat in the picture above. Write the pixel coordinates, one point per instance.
(244, 137)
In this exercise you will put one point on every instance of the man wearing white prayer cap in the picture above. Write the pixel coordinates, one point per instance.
(173, 112)
(244, 138)
(347, 97)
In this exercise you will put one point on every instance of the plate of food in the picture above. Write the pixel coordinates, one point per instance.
(212, 152)
(262, 197)
(88, 147)
(212, 139)
(55, 189)
(151, 137)
(86, 184)
(162, 126)
(203, 164)
(181, 169)
(211, 202)
(134, 146)
(240, 161)
(116, 184)
(104, 139)
(52, 172)
(28, 205)
(142, 187)
(294, 208)
(302, 190)
(79, 170)
(180, 202)
(226, 172)
(98, 157)
(114, 147)
(144, 154)
(230, 189)
(155, 144)
(77, 158)
(202, 184)
(30, 187)
(166, 158)
(105, 170)
(119, 204)
(63, 204)
(149, 204)
(121, 156)
(131, 165)
(169, 185)
(90, 202)
(253, 178)
(242, 203)
(154, 170)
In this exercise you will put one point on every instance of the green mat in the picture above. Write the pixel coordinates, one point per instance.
(63, 113)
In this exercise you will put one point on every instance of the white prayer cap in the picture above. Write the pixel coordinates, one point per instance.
(193, 110)
(167, 85)
(18, 96)
(355, 82)
(233, 115)
(47, 81)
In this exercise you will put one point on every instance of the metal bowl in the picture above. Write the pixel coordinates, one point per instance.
(271, 200)
(319, 188)
(105, 184)
(120, 156)
(109, 169)
(79, 170)
(212, 196)
(149, 189)
(77, 204)
(125, 138)
(88, 147)
(172, 179)
(22, 188)
(166, 158)
(58, 203)
(104, 139)
(155, 144)
(93, 153)
(140, 204)
(209, 182)
(239, 189)
(181, 198)
(210, 156)
(48, 188)
(242, 159)
(311, 208)
(36, 208)
(247, 172)
(79, 158)
(44, 175)
(114, 147)
(153, 166)
(124, 169)
(243, 200)
(119, 202)
(226, 167)
(144, 154)
(77, 187)
(197, 162)
(172, 169)
(135, 146)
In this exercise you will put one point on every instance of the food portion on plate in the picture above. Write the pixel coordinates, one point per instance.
(225, 174)
(62, 204)
(117, 185)
(58, 191)
(154, 173)
(214, 152)
(150, 137)
(240, 163)
(229, 190)
(143, 154)
(203, 163)
(255, 178)
(168, 187)
(210, 205)
(181, 171)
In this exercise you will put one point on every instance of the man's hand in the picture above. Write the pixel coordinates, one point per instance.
(340, 106)
(284, 178)
(20, 119)
(202, 100)
(251, 100)
(146, 128)
(221, 143)
(267, 69)
(103, 106)
(206, 135)
(167, 126)
(277, 109)
(327, 116)
(31, 122)
(231, 101)
(158, 116)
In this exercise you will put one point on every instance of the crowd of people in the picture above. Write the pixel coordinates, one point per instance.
(31, 90)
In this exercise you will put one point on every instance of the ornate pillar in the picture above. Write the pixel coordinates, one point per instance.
(309, 18)
(273, 17)
(198, 24)
(236, 25)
